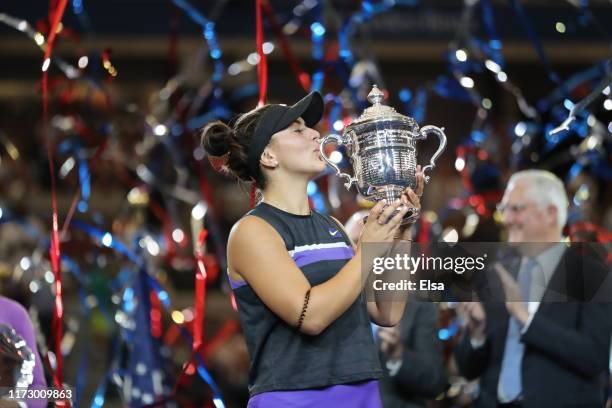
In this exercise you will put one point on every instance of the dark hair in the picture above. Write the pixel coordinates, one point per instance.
(219, 139)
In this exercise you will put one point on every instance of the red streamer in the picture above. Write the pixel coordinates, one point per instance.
(200, 293)
(155, 315)
(253, 196)
(229, 328)
(262, 67)
(599, 233)
(461, 152)
(482, 202)
(56, 16)
(173, 40)
(167, 225)
(302, 77)
(424, 231)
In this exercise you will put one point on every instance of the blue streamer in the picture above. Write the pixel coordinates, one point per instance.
(99, 396)
(448, 332)
(449, 88)
(346, 59)
(419, 105)
(317, 80)
(74, 147)
(7, 217)
(317, 30)
(574, 171)
(216, 113)
(535, 40)
(107, 240)
(336, 110)
(81, 14)
(414, 106)
(208, 29)
(495, 43)
(597, 71)
(84, 282)
(129, 294)
(246, 91)
(85, 183)
(81, 380)
(205, 375)
(201, 369)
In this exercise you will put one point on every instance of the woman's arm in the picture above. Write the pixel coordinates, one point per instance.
(383, 316)
(388, 308)
(257, 254)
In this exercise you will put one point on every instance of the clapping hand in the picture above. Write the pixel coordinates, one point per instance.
(514, 299)
(475, 316)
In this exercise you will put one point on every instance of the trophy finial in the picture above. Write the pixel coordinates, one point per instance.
(376, 96)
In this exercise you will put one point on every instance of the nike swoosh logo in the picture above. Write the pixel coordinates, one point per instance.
(333, 233)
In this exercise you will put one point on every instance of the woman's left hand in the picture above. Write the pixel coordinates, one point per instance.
(412, 199)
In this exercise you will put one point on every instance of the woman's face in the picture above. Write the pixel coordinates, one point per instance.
(296, 149)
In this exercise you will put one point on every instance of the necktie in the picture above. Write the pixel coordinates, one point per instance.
(509, 386)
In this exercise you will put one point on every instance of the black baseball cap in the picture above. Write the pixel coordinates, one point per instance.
(278, 117)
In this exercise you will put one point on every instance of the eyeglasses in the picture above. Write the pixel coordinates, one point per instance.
(513, 208)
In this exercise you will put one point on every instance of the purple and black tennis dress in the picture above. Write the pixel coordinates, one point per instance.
(289, 369)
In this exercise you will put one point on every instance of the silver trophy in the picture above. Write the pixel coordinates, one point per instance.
(17, 361)
(381, 145)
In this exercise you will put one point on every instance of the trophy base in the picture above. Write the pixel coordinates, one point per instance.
(392, 193)
(410, 218)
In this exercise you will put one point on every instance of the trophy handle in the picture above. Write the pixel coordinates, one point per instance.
(332, 137)
(442, 137)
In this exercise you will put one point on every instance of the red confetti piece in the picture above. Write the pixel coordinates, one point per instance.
(262, 66)
(55, 252)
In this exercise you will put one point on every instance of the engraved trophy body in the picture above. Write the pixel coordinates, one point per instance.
(381, 146)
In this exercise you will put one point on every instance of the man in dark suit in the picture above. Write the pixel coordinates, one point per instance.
(552, 351)
(412, 358)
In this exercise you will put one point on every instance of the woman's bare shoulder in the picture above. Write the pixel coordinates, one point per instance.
(251, 227)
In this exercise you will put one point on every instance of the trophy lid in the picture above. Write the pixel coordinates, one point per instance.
(378, 111)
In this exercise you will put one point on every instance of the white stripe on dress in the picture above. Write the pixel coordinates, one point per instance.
(303, 248)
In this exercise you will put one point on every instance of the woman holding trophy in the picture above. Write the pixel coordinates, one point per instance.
(296, 276)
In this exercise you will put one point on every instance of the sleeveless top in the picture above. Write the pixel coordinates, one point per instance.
(283, 358)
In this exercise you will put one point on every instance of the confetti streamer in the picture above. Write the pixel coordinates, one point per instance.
(262, 66)
(55, 251)
(582, 105)
(302, 77)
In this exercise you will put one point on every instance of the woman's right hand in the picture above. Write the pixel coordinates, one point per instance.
(381, 227)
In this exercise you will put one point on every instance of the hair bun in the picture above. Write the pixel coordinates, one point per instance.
(216, 138)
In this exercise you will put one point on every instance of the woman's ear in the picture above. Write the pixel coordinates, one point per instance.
(268, 159)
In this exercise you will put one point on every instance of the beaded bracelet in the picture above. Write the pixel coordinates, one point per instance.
(303, 314)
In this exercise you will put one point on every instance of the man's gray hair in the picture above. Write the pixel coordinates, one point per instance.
(545, 189)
